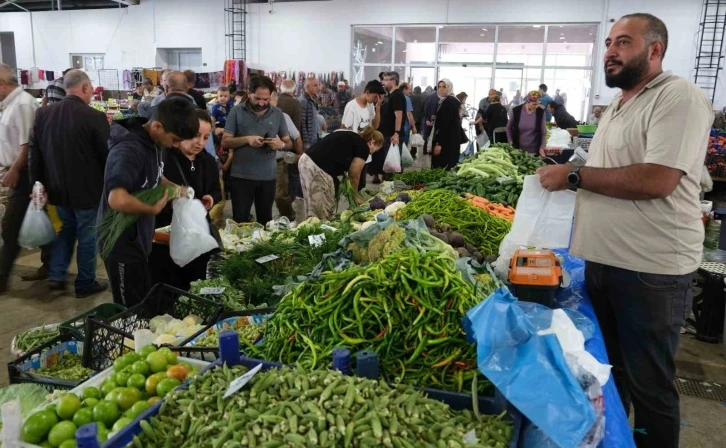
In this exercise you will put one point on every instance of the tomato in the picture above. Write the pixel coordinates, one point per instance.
(46, 444)
(122, 377)
(102, 434)
(61, 432)
(132, 357)
(112, 377)
(153, 381)
(157, 362)
(91, 392)
(68, 404)
(186, 364)
(127, 397)
(68, 444)
(153, 400)
(137, 409)
(106, 412)
(166, 385)
(137, 381)
(82, 417)
(179, 372)
(169, 355)
(90, 402)
(120, 424)
(140, 367)
(107, 387)
(146, 351)
(52, 408)
(119, 364)
(36, 427)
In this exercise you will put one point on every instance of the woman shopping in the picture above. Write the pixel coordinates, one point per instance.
(447, 132)
(189, 165)
(340, 152)
(527, 130)
(495, 120)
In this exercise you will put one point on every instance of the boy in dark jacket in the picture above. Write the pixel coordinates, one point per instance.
(135, 163)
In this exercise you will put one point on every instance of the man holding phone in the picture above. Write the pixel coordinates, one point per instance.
(255, 130)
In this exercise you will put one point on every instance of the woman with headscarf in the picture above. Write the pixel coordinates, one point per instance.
(527, 130)
(446, 134)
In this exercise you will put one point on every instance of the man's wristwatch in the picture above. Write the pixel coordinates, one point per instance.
(573, 178)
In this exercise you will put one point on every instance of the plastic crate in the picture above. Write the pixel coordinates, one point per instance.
(19, 370)
(77, 325)
(457, 401)
(210, 354)
(582, 142)
(110, 339)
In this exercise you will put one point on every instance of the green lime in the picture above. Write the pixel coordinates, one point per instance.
(91, 392)
(106, 412)
(166, 385)
(68, 404)
(61, 432)
(82, 417)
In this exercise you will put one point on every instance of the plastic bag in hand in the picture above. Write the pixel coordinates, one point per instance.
(417, 141)
(393, 160)
(36, 230)
(406, 159)
(190, 236)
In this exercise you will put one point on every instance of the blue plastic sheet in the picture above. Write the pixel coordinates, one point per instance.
(618, 433)
(529, 369)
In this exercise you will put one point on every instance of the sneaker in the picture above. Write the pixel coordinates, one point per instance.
(57, 285)
(40, 274)
(95, 288)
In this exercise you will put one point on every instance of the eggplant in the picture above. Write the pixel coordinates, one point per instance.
(377, 204)
(429, 220)
(456, 240)
(403, 197)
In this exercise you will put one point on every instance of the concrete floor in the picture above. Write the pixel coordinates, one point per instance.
(29, 304)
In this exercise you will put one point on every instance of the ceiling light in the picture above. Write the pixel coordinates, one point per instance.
(590, 34)
(561, 37)
(483, 29)
(415, 41)
(481, 35)
(373, 50)
(562, 34)
(405, 51)
(380, 43)
(560, 26)
(536, 26)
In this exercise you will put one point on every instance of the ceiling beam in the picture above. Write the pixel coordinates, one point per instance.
(127, 2)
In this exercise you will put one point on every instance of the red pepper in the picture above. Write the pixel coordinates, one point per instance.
(382, 333)
(291, 338)
(462, 364)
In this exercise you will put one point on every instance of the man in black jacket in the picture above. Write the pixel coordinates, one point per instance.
(134, 164)
(198, 96)
(68, 150)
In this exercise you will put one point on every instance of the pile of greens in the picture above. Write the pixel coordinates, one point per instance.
(413, 178)
(231, 298)
(30, 396)
(69, 367)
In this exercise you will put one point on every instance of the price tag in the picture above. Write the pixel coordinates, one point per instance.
(238, 383)
(503, 179)
(267, 259)
(316, 240)
(327, 227)
(211, 290)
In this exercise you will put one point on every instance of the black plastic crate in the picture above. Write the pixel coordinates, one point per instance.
(77, 325)
(107, 340)
(18, 374)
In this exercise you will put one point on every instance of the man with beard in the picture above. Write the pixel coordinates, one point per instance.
(637, 220)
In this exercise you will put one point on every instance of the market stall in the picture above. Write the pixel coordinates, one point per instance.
(390, 280)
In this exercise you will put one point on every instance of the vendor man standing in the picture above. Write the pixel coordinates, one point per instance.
(638, 219)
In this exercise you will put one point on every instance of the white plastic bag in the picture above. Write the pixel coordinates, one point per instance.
(417, 141)
(483, 140)
(559, 138)
(406, 159)
(542, 218)
(36, 230)
(393, 160)
(190, 236)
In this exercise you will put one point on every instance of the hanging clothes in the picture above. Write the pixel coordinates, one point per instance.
(202, 81)
(41, 75)
(24, 77)
(153, 75)
(49, 75)
(128, 80)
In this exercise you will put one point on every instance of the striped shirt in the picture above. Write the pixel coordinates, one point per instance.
(55, 90)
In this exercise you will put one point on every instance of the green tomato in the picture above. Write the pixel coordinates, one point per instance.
(91, 392)
(140, 367)
(122, 378)
(112, 377)
(137, 409)
(82, 417)
(166, 385)
(102, 434)
(68, 444)
(45, 444)
(107, 387)
(120, 424)
(119, 364)
(127, 397)
(169, 355)
(61, 432)
(137, 381)
(90, 402)
(36, 427)
(146, 351)
(68, 404)
(52, 408)
(187, 365)
(157, 362)
(132, 357)
(106, 412)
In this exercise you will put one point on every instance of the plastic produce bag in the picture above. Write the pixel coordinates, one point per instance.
(393, 160)
(417, 141)
(190, 235)
(532, 371)
(468, 152)
(36, 230)
(483, 141)
(559, 138)
(406, 159)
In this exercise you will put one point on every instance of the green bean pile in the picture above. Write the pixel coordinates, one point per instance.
(481, 229)
(413, 178)
(407, 308)
(35, 337)
(291, 407)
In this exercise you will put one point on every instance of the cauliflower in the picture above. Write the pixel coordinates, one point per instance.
(393, 208)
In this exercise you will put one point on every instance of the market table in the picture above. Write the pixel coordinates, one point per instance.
(618, 433)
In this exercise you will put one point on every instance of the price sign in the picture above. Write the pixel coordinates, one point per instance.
(238, 383)
(211, 290)
(267, 259)
(316, 240)
(327, 227)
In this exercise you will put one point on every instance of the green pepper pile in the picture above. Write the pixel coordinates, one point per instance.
(292, 407)
(407, 308)
(413, 178)
(481, 229)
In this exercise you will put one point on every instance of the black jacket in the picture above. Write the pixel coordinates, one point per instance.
(204, 179)
(563, 119)
(198, 98)
(68, 149)
(447, 128)
(134, 164)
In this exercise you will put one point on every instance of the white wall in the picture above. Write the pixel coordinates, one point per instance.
(316, 36)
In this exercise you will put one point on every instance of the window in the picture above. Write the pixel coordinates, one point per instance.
(89, 62)
(466, 43)
(363, 74)
(415, 45)
(574, 88)
(521, 44)
(570, 45)
(373, 44)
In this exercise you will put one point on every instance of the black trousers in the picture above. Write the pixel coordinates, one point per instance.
(641, 316)
(18, 201)
(246, 192)
(130, 281)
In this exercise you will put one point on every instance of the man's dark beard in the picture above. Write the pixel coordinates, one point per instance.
(254, 107)
(631, 73)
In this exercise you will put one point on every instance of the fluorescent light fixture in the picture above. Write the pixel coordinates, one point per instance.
(561, 38)
(373, 50)
(560, 26)
(483, 29)
(481, 35)
(380, 43)
(536, 26)
(405, 51)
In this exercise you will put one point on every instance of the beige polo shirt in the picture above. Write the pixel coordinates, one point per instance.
(668, 124)
(17, 114)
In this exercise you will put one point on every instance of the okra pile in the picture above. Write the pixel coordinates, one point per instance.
(295, 408)
(406, 307)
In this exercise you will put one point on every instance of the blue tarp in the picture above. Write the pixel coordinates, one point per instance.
(618, 433)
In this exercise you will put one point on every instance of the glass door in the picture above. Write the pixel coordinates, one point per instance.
(473, 79)
(509, 80)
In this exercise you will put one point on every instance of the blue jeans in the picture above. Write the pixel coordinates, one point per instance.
(80, 225)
